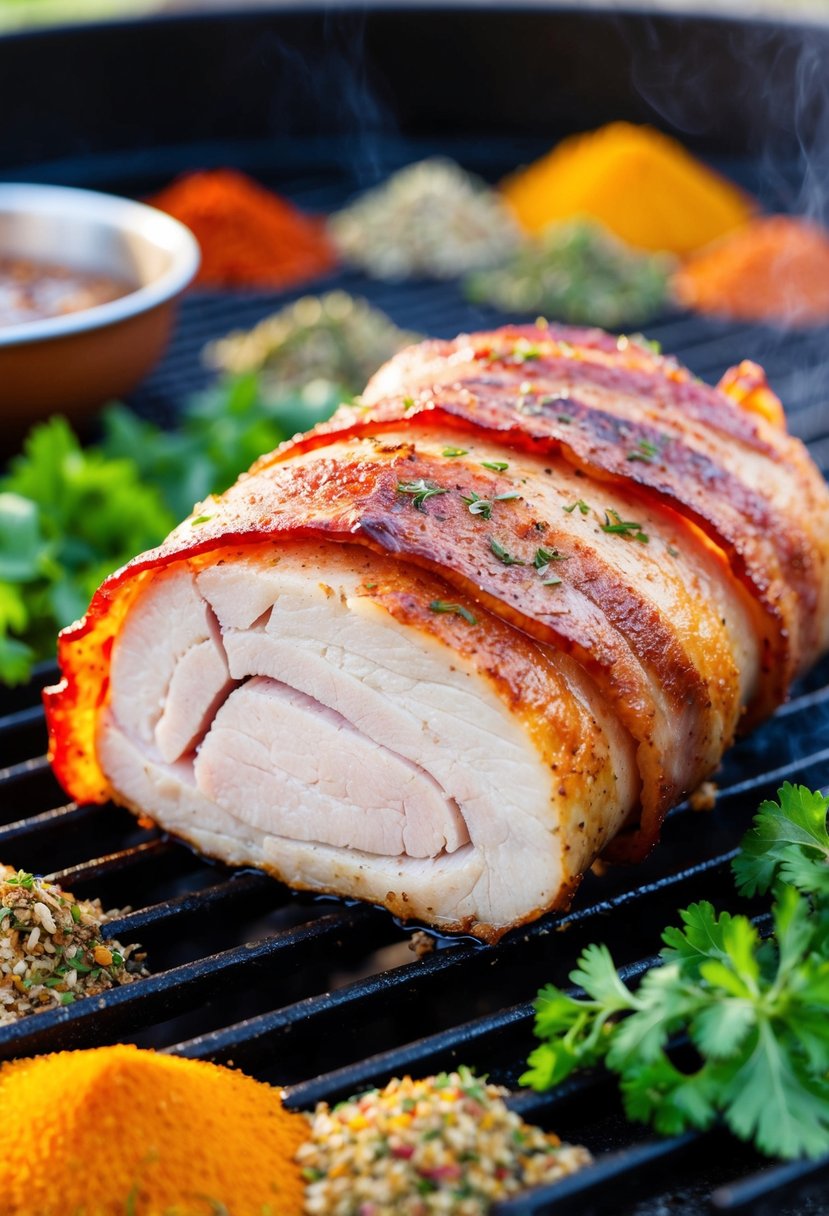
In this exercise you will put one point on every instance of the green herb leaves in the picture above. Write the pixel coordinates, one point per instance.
(754, 1011)
(457, 609)
(420, 490)
(68, 517)
(789, 840)
(501, 553)
(483, 506)
(584, 508)
(644, 451)
(623, 527)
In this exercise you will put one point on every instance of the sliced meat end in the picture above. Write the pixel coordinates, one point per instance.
(372, 748)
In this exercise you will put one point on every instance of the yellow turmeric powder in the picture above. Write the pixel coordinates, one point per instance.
(121, 1132)
(639, 183)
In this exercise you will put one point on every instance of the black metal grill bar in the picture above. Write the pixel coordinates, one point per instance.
(770, 1185)
(221, 897)
(160, 996)
(611, 1177)
(114, 865)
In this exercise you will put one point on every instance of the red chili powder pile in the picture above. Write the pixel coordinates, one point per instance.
(249, 237)
(776, 268)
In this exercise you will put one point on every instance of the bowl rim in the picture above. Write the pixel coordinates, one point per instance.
(123, 213)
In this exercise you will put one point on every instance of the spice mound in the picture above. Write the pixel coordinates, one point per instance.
(774, 269)
(642, 185)
(119, 1130)
(248, 236)
(430, 220)
(577, 271)
(445, 1144)
(336, 337)
(51, 948)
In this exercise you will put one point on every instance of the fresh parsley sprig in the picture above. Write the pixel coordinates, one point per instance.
(788, 841)
(754, 1011)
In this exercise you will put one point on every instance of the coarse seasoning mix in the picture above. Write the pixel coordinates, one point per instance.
(52, 951)
(445, 1144)
(429, 220)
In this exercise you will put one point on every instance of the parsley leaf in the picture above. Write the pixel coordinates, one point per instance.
(754, 1011)
(788, 840)
(68, 517)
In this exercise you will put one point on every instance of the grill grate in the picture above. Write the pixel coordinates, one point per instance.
(327, 998)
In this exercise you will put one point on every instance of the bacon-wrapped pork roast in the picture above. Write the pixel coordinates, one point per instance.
(442, 651)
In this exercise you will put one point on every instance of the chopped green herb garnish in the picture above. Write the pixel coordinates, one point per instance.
(75, 913)
(513, 494)
(21, 879)
(200, 519)
(497, 466)
(455, 452)
(755, 1008)
(672, 551)
(67, 998)
(457, 609)
(543, 557)
(477, 505)
(523, 352)
(409, 403)
(552, 581)
(502, 554)
(583, 507)
(624, 527)
(420, 490)
(644, 451)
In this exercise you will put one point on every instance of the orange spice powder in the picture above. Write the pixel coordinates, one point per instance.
(776, 268)
(117, 1130)
(249, 237)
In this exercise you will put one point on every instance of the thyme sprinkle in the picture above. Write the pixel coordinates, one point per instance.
(644, 451)
(624, 527)
(583, 507)
(476, 505)
(420, 490)
(502, 554)
(455, 451)
(457, 609)
(543, 557)
(497, 466)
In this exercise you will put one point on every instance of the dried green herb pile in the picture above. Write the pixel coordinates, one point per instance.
(52, 949)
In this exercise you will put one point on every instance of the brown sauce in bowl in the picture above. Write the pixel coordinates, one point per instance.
(33, 291)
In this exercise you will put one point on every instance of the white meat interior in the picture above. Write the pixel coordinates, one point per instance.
(264, 711)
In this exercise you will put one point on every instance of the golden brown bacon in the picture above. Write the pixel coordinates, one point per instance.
(670, 544)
